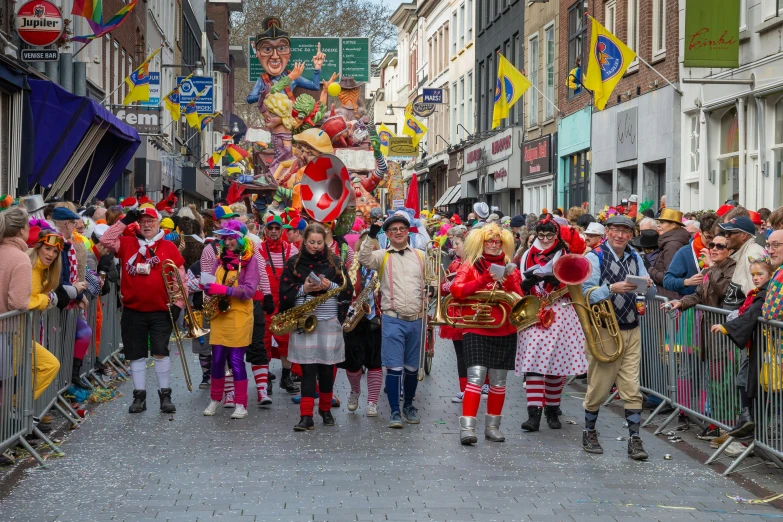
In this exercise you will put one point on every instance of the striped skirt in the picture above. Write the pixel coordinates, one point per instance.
(324, 345)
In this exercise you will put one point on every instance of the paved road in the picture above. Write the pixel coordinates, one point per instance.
(191, 468)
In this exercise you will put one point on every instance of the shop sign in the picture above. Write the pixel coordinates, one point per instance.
(401, 146)
(422, 109)
(496, 148)
(626, 134)
(537, 156)
(39, 23)
(712, 33)
(499, 172)
(146, 120)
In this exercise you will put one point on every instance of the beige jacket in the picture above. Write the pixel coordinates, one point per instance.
(401, 284)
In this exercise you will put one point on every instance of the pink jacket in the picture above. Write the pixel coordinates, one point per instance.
(16, 275)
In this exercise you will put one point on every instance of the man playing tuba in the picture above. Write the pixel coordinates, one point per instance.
(611, 263)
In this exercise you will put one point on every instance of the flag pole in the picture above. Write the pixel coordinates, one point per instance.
(547, 99)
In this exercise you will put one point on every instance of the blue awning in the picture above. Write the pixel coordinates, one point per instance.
(78, 143)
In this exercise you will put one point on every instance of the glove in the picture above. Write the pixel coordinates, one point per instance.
(132, 216)
(52, 300)
(551, 280)
(529, 283)
(175, 311)
(216, 289)
(269, 304)
(374, 229)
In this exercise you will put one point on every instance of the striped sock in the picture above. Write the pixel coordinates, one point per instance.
(355, 378)
(497, 396)
(633, 418)
(471, 400)
(229, 389)
(590, 418)
(261, 375)
(374, 384)
(535, 390)
(553, 387)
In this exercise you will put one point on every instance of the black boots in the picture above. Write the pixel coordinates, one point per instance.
(288, 385)
(327, 417)
(166, 406)
(76, 371)
(139, 401)
(744, 426)
(305, 423)
(552, 420)
(534, 419)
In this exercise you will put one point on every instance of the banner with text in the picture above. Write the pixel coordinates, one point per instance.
(712, 30)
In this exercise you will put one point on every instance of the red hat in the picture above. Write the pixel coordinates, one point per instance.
(723, 210)
(166, 204)
(149, 212)
(32, 236)
(456, 219)
(755, 217)
(272, 219)
(144, 199)
(128, 203)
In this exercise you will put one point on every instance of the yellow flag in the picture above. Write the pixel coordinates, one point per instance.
(607, 60)
(139, 82)
(384, 134)
(510, 85)
(414, 128)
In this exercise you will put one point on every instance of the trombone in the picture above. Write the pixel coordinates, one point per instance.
(175, 290)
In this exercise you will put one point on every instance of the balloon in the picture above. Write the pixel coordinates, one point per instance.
(334, 89)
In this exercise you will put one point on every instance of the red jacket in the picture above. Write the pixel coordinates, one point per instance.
(469, 281)
(449, 332)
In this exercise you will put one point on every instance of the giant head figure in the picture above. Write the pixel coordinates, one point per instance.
(273, 46)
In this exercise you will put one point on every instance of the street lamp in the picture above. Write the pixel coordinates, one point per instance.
(390, 109)
(235, 128)
(198, 66)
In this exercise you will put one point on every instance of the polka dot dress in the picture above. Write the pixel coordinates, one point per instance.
(557, 350)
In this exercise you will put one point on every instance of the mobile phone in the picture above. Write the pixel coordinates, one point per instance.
(313, 278)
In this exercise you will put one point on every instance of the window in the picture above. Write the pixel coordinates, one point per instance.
(576, 35)
(770, 8)
(533, 75)
(518, 52)
(695, 144)
(729, 156)
(549, 68)
(461, 26)
(431, 60)
(469, 115)
(743, 15)
(577, 189)
(116, 75)
(462, 100)
(454, 129)
(469, 21)
(778, 151)
(633, 27)
(610, 15)
(454, 34)
(480, 106)
(659, 27)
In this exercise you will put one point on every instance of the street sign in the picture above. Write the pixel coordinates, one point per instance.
(40, 55)
(421, 109)
(348, 56)
(146, 120)
(401, 146)
(154, 100)
(213, 173)
(433, 96)
(39, 23)
(191, 88)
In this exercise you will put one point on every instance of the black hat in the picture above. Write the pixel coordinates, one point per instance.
(517, 221)
(271, 30)
(395, 218)
(647, 239)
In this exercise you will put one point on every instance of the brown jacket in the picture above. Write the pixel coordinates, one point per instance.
(668, 245)
(713, 289)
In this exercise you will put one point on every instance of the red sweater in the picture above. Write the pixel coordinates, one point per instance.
(469, 281)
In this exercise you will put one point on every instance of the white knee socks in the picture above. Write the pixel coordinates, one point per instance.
(162, 370)
(139, 374)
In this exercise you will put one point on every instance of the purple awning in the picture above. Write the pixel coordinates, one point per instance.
(61, 121)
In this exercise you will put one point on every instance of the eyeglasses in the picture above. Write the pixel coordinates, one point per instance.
(774, 245)
(718, 246)
(398, 230)
(545, 237)
(53, 240)
(493, 242)
(621, 230)
(267, 50)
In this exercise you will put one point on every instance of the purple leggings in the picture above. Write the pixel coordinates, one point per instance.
(235, 358)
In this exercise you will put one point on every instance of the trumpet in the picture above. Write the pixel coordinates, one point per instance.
(175, 290)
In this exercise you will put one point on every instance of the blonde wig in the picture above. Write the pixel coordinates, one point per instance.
(474, 242)
(281, 105)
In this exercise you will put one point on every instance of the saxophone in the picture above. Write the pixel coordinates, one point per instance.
(361, 306)
(215, 304)
(300, 317)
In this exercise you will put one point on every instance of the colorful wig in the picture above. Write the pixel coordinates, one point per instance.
(474, 243)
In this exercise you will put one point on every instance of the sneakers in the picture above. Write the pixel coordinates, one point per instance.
(458, 397)
(744, 426)
(305, 423)
(263, 399)
(636, 448)
(212, 408)
(590, 442)
(484, 391)
(716, 443)
(709, 434)
(228, 400)
(240, 412)
(353, 401)
(410, 414)
(395, 421)
(372, 409)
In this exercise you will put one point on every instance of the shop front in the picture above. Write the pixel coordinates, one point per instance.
(537, 174)
(492, 171)
(197, 187)
(573, 152)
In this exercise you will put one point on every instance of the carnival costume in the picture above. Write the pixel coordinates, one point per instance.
(455, 334)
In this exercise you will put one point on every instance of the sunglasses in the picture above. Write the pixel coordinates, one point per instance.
(53, 240)
(718, 246)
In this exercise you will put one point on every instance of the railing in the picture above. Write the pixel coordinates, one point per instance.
(54, 330)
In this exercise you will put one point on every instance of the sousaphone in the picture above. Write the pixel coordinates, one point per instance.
(326, 188)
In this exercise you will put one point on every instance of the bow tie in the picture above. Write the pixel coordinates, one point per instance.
(401, 252)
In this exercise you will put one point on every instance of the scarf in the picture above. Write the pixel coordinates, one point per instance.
(275, 245)
(73, 265)
(698, 245)
(483, 263)
(299, 267)
(145, 247)
(233, 260)
(749, 299)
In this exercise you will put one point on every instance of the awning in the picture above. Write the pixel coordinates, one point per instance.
(78, 143)
(446, 197)
(455, 196)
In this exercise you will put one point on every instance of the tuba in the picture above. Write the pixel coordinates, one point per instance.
(175, 290)
(598, 320)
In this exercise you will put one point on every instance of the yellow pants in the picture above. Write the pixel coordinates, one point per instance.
(45, 370)
(624, 372)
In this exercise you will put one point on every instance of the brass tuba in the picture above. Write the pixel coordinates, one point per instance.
(175, 290)
(476, 310)
(598, 320)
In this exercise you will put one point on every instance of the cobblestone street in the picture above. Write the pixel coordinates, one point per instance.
(188, 468)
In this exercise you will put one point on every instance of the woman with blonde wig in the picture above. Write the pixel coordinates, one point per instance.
(487, 351)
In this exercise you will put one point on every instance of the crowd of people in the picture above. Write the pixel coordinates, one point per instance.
(283, 286)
